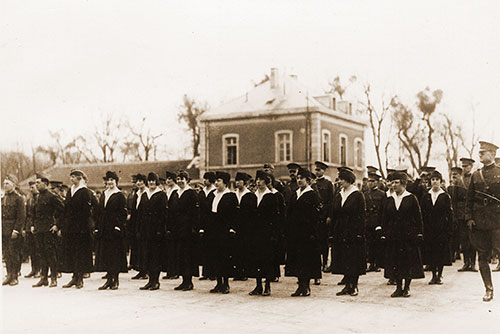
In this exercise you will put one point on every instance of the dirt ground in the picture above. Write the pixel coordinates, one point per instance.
(455, 307)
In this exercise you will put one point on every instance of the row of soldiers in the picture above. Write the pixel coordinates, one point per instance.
(262, 224)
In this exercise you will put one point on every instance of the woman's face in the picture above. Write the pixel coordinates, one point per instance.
(435, 183)
(110, 183)
(344, 184)
(302, 181)
(181, 182)
(220, 185)
(152, 184)
(398, 186)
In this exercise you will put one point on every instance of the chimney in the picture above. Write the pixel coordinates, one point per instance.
(334, 103)
(274, 77)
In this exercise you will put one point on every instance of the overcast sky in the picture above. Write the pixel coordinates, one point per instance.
(65, 63)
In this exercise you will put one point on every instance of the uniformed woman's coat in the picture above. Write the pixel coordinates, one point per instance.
(136, 215)
(110, 233)
(303, 257)
(349, 254)
(152, 230)
(438, 229)
(401, 228)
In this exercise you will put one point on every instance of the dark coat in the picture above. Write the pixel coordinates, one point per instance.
(374, 204)
(438, 229)
(136, 214)
(217, 234)
(47, 206)
(281, 229)
(262, 235)
(110, 233)
(76, 231)
(205, 209)
(139, 216)
(402, 230)
(246, 212)
(152, 231)
(349, 254)
(303, 257)
(13, 213)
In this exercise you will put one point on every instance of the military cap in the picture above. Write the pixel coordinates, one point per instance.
(437, 175)
(371, 169)
(467, 161)
(11, 178)
(225, 177)
(210, 176)
(373, 176)
(141, 177)
(346, 168)
(111, 175)
(55, 184)
(171, 175)
(427, 169)
(457, 170)
(154, 177)
(346, 174)
(241, 177)
(183, 175)
(77, 172)
(320, 164)
(390, 170)
(269, 165)
(486, 146)
(304, 172)
(293, 165)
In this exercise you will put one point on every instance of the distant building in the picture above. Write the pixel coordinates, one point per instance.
(279, 122)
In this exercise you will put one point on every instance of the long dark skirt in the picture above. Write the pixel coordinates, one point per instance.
(171, 257)
(111, 255)
(77, 253)
(402, 260)
(303, 260)
(437, 253)
(188, 265)
(151, 251)
(218, 260)
(349, 258)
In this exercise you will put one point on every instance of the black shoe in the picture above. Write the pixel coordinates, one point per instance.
(42, 282)
(256, 292)
(224, 289)
(154, 286)
(344, 291)
(31, 274)
(146, 287)
(79, 284)
(317, 281)
(473, 269)
(488, 296)
(267, 290)
(53, 283)
(433, 280)
(297, 292)
(406, 293)
(188, 287)
(70, 283)
(180, 287)
(216, 289)
(105, 276)
(114, 284)
(105, 285)
(13, 281)
(397, 293)
(439, 280)
(7, 280)
(306, 292)
(354, 291)
(464, 268)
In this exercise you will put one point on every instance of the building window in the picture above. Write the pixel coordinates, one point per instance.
(358, 153)
(230, 149)
(343, 150)
(325, 145)
(283, 143)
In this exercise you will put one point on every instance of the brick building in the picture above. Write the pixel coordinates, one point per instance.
(279, 122)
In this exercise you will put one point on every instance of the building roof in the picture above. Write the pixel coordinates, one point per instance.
(96, 171)
(285, 96)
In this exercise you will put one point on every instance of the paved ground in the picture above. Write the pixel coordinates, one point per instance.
(455, 307)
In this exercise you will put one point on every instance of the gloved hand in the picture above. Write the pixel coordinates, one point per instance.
(202, 233)
(420, 238)
(117, 231)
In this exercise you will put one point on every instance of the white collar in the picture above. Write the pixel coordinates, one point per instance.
(435, 195)
(208, 190)
(139, 196)
(261, 194)
(150, 194)
(301, 192)
(75, 189)
(181, 191)
(217, 198)
(345, 194)
(240, 194)
(274, 191)
(108, 193)
(170, 190)
(399, 199)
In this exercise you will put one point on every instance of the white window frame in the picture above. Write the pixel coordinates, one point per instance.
(277, 145)
(329, 143)
(224, 149)
(346, 149)
(358, 164)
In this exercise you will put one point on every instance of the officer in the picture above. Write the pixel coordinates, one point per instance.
(13, 216)
(324, 188)
(269, 168)
(374, 202)
(292, 186)
(482, 212)
(467, 165)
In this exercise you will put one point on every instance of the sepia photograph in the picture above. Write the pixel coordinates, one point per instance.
(250, 166)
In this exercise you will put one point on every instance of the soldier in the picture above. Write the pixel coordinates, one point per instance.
(324, 188)
(30, 240)
(47, 207)
(269, 168)
(458, 193)
(481, 212)
(467, 165)
(292, 186)
(76, 227)
(374, 204)
(204, 200)
(13, 216)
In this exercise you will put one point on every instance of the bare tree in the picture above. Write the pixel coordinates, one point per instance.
(452, 137)
(61, 150)
(107, 136)
(427, 102)
(339, 88)
(470, 147)
(190, 114)
(145, 142)
(377, 116)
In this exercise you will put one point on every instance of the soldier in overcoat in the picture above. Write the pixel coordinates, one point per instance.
(30, 240)
(375, 198)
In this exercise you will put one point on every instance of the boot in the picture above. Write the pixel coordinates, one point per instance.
(71, 283)
(7, 280)
(345, 291)
(114, 282)
(42, 282)
(267, 289)
(147, 286)
(488, 296)
(399, 290)
(406, 290)
(79, 281)
(107, 284)
(298, 292)
(258, 289)
(31, 274)
(53, 282)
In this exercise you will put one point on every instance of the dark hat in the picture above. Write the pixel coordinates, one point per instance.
(427, 169)
(249, 176)
(304, 172)
(110, 175)
(241, 177)
(346, 168)
(54, 184)
(293, 165)
(398, 175)
(373, 176)
(321, 165)
(437, 175)
(154, 177)
(210, 176)
(225, 177)
(346, 174)
(11, 177)
(390, 170)
(30, 183)
(269, 165)
(162, 180)
(313, 176)
(141, 177)
(457, 170)
(486, 146)
(183, 175)
(170, 175)
(401, 168)
(263, 175)
(77, 172)
(371, 169)
(467, 161)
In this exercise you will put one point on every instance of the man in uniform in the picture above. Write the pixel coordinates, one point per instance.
(324, 189)
(292, 186)
(29, 238)
(467, 165)
(13, 216)
(374, 201)
(482, 212)
(47, 207)
(269, 168)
